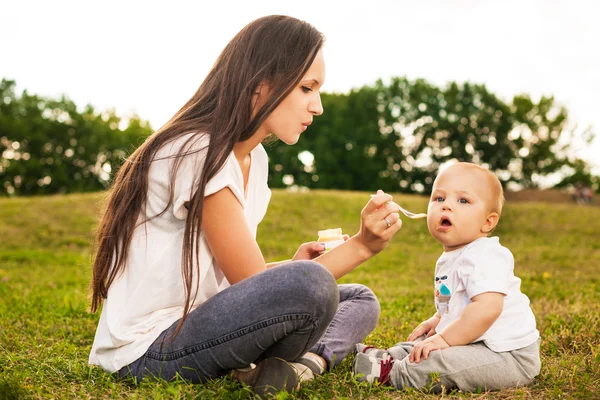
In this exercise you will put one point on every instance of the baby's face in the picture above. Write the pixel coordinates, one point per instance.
(459, 206)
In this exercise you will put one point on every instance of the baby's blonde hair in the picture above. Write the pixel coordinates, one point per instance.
(497, 200)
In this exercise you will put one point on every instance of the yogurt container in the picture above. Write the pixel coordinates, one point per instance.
(331, 238)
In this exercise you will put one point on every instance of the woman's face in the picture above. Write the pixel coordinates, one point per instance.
(296, 112)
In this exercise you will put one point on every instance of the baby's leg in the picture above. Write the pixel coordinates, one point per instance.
(469, 368)
(375, 365)
(401, 350)
(398, 351)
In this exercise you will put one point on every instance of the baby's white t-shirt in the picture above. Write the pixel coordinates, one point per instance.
(485, 266)
(148, 296)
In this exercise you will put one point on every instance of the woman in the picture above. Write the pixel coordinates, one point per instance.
(185, 287)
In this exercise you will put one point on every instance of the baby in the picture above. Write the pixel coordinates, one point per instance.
(483, 334)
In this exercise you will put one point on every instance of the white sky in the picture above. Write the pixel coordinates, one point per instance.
(149, 57)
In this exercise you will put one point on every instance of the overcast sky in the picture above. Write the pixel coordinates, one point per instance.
(149, 57)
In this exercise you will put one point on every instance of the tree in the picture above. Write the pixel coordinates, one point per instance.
(392, 136)
(579, 172)
(48, 146)
(395, 137)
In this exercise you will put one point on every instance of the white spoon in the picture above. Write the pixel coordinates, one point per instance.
(409, 214)
(412, 214)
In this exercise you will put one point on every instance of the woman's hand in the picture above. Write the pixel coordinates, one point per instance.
(308, 251)
(311, 250)
(425, 327)
(380, 220)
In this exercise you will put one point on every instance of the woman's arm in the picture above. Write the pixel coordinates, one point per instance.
(239, 256)
(227, 233)
(231, 242)
(373, 236)
(306, 251)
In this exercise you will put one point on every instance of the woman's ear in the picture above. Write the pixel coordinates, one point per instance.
(262, 89)
(260, 95)
(490, 222)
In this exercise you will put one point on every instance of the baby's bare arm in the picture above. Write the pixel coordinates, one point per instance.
(426, 327)
(475, 319)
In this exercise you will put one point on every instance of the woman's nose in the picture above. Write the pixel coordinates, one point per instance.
(316, 107)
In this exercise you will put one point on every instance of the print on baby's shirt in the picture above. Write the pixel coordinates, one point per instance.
(442, 294)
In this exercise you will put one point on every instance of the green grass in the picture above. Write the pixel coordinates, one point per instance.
(46, 331)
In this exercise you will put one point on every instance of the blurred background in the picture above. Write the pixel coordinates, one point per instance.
(410, 86)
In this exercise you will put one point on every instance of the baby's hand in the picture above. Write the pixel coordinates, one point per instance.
(422, 349)
(425, 327)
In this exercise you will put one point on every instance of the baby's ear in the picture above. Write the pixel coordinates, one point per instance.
(490, 222)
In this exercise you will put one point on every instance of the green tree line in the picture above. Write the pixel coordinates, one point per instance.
(49, 146)
(395, 137)
(384, 136)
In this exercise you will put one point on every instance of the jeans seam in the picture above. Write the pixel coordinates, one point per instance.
(170, 356)
(339, 312)
(321, 346)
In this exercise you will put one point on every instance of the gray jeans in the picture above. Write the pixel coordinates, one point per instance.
(467, 368)
(282, 312)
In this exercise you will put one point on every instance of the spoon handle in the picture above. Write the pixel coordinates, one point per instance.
(408, 213)
(411, 214)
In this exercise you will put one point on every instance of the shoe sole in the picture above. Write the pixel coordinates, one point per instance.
(274, 375)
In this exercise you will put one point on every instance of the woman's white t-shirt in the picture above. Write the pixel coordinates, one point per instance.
(485, 266)
(148, 296)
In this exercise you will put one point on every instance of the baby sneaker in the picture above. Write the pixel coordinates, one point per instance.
(371, 350)
(372, 369)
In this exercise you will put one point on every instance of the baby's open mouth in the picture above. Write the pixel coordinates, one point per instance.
(445, 222)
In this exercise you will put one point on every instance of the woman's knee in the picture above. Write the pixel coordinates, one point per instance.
(313, 274)
(372, 304)
(363, 298)
(370, 298)
(315, 284)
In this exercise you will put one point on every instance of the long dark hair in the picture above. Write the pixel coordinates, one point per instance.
(275, 49)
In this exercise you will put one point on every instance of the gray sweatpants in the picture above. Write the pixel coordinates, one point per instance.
(467, 368)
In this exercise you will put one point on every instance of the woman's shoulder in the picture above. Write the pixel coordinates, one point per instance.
(260, 158)
(260, 152)
(190, 142)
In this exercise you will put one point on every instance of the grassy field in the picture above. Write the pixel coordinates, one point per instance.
(46, 330)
